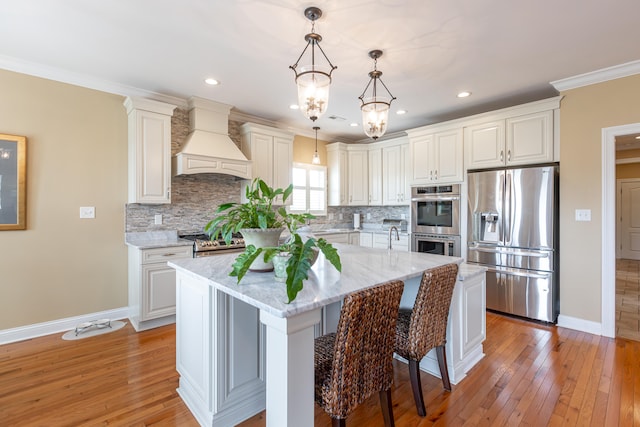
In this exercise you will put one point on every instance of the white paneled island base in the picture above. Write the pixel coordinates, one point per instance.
(241, 348)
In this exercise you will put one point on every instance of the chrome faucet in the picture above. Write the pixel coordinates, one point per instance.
(393, 227)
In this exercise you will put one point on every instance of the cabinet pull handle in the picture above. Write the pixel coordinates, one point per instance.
(508, 155)
(170, 254)
(501, 155)
(436, 174)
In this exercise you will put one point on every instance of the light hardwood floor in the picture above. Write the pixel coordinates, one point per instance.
(532, 375)
(628, 299)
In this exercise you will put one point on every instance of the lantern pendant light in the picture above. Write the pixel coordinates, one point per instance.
(316, 158)
(375, 108)
(313, 80)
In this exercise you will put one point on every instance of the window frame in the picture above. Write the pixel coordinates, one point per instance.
(307, 188)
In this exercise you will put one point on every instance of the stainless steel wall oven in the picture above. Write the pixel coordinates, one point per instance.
(438, 244)
(436, 209)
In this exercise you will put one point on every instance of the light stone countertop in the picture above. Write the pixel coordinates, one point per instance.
(155, 239)
(361, 268)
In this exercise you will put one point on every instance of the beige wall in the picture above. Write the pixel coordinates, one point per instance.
(63, 266)
(303, 149)
(584, 112)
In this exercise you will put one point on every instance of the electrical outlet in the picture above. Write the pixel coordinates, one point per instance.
(403, 216)
(340, 217)
(330, 217)
(368, 215)
(583, 214)
(87, 212)
(157, 219)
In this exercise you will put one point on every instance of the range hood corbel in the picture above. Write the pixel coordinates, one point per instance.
(208, 148)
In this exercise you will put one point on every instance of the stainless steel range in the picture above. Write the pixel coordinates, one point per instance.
(204, 246)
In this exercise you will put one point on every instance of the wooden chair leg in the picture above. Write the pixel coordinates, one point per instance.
(338, 422)
(416, 386)
(442, 363)
(387, 408)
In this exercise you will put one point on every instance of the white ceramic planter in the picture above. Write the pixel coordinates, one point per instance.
(261, 238)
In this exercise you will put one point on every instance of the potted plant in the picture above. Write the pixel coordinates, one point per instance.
(260, 215)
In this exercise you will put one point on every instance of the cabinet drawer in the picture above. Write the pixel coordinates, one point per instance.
(166, 254)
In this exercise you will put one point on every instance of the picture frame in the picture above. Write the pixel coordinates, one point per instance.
(13, 182)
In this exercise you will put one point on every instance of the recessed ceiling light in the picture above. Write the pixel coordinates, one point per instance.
(353, 125)
(463, 94)
(401, 112)
(294, 107)
(211, 81)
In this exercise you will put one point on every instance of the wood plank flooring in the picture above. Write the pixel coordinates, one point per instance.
(532, 375)
(628, 299)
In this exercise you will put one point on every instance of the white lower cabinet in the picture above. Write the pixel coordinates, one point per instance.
(381, 241)
(152, 285)
(220, 354)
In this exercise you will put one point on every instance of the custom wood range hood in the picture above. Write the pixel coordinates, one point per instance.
(208, 148)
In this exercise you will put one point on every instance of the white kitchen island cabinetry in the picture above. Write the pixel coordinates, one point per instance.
(149, 153)
(224, 357)
(436, 155)
(152, 283)
(271, 153)
(515, 136)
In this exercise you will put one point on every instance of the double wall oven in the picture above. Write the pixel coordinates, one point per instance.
(435, 219)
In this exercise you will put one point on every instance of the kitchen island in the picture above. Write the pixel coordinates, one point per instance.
(240, 347)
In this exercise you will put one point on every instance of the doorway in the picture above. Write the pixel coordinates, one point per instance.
(608, 253)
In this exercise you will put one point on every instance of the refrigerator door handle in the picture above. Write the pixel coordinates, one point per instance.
(508, 206)
(505, 251)
(523, 273)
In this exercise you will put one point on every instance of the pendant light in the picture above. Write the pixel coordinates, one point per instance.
(316, 158)
(375, 108)
(313, 80)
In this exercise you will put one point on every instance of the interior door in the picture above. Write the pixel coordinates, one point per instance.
(629, 220)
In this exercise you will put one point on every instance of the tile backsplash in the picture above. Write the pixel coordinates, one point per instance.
(194, 198)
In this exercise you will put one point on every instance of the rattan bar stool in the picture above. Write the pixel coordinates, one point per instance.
(356, 361)
(425, 327)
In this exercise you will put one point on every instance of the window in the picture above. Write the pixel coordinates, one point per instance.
(309, 189)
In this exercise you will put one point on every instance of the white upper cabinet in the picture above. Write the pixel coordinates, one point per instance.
(436, 155)
(358, 181)
(530, 138)
(271, 153)
(338, 184)
(485, 144)
(149, 129)
(395, 178)
(375, 176)
(520, 135)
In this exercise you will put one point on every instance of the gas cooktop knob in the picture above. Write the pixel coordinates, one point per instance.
(214, 243)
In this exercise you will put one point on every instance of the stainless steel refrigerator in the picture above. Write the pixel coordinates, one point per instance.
(512, 229)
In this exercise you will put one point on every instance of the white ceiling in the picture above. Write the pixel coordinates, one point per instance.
(505, 52)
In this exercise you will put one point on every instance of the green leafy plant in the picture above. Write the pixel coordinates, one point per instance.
(261, 211)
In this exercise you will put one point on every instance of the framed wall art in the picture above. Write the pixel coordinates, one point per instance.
(13, 182)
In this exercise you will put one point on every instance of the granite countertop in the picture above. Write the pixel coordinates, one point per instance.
(155, 239)
(375, 230)
(325, 284)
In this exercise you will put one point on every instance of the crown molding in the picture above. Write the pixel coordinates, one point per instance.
(598, 76)
(83, 80)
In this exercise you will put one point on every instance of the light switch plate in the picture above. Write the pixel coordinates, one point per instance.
(87, 212)
(583, 214)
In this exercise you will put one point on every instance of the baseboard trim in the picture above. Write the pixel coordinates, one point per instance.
(61, 325)
(581, 325)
